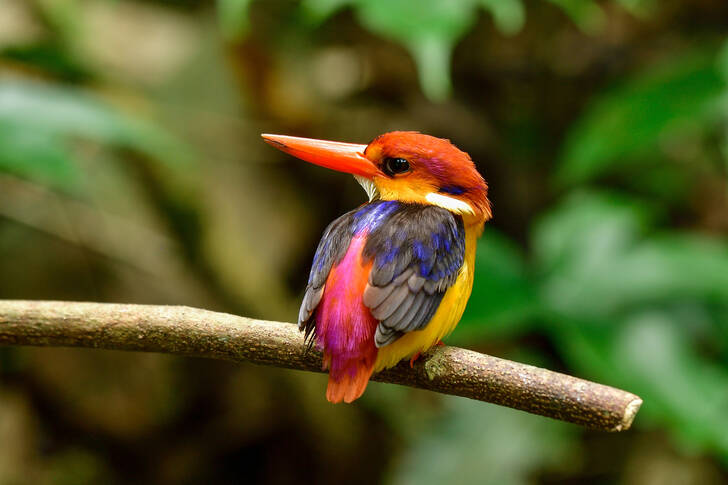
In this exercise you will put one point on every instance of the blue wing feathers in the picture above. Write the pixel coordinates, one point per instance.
(417, 251)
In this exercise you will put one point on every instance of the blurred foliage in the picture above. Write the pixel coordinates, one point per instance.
(233, 18)
(626, 126)
(131, 169)
(39, 122)
(428, 29)
(468, 444)
(624, 308)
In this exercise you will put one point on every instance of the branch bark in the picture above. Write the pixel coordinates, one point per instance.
(202, 333)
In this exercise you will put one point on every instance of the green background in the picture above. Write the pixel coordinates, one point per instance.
(131, 170)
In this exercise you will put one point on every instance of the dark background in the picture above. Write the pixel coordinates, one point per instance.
(131, 170)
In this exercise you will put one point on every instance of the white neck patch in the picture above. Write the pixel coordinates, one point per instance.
(450, 203)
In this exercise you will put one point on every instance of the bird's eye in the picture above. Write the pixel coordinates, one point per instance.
(393, 166)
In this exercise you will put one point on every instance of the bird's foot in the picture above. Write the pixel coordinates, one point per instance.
(417, 355)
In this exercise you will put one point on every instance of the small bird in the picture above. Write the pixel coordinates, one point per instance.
(391, 278)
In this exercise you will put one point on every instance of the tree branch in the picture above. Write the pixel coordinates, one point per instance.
(201, 333)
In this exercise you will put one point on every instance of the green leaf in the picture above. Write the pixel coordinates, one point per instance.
(586, 14)
(428, 29)
(233, 18)
(650, 354)
(317, 11)
(51, 58)
(596, 259)
(64, 17)
(722, 61)
(38, 122)
(36, 155)
(639, 8)
(60, 110)
(508, 15)
(625, 125)
(627, 305)
(586, 228)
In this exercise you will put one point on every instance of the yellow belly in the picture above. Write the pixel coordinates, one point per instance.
(446, 317)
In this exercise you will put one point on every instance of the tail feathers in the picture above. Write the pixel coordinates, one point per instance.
(348, 386)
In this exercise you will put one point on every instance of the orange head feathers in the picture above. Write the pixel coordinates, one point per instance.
(431, 170)
(402, 165)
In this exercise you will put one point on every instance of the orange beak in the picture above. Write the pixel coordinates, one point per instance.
(344, 157)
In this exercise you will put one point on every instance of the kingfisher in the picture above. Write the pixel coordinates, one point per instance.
(391, 278)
